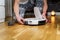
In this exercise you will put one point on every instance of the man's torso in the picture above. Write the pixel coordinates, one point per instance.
(31, 3)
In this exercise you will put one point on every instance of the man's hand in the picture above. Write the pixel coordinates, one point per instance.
(16, 11)
(20, 20)
(44, 15)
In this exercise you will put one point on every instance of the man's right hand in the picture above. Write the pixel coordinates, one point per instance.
(20, 20)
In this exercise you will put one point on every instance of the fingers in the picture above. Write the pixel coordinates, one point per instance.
(21, 21)
(44, 16)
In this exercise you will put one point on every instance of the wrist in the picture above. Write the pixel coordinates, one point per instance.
(17, 16)
(44, 12)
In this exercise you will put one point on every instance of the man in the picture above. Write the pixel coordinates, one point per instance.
(20, 6)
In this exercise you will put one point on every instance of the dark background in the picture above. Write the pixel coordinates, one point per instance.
(54, 5)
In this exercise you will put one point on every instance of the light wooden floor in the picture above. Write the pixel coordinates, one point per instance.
(50, 31)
